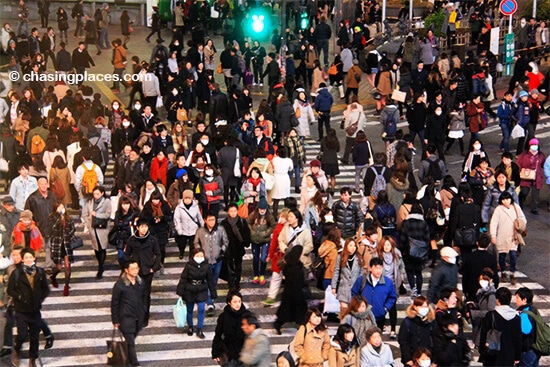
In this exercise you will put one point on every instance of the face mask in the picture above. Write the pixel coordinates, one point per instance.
(204, 142)
(477, 146)
(125, 123)
(176, 43)
(534, 148)
(329, 218)
(523, 22)
(423, 311)
(62, 211)
(199, 260)
(137, 106)
(175, 92)
(452, 260)
(115, 106)
(438, 113)
(484, 284)
(425, 363)
(209, 172)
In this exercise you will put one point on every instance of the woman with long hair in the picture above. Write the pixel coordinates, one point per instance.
(359, 315)
(386, 214)
(125, 27)
(312, 216)
(317, 78)
(229, 336)
(253, 189)
(261, 223)
(344, 348)
(159, 167)
(62, 24)
(160, 216)
(62, 229)
(282, 166)
(361, 154)
(60, 171)
(52, 150)
(349, 266)
(330, 146)
(328, 251)
(123, 227)
(312, 341)
(309, 192)
(210, 55)
(179, 138)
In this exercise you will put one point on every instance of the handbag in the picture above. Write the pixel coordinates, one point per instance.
(57, 188)
(520, 226)
(242, 211)
(100, 222)
(517, 132)
(76, 242)
(180, 313)
(492, 342)
(528, 174)
(117, 351)
(332, 305)
(399, 96)
(352, 128)
(4, 261)
(269, 179)
(219, 69)
(159, 103)
(130, 29)
(181, 114)
(465, 237)
(4, 165)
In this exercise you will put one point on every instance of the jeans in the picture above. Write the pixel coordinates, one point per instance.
(505, 143)
(215, 269)
(322, 45)
(200, 314)
(324, 118)
(360, 172)
(21, 25)
(119, 71)
(258, 71)
(529, 359)
(535, 195)
(104, 38)
(420, 135)
(296, 174)
(28, 325)
(513, 261)
(414, 272)
(259, 257)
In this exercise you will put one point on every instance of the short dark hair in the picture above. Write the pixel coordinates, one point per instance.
(231, 294)
(376, 261)
(503, 296)
(345, 189)
(525, 294)
(446, 293)
(484, 240)
(447, 319)
(431, 148)
(251, 319)
(28, 250)
(210, 213)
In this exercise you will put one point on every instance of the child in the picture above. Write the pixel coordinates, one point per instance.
(456, 128)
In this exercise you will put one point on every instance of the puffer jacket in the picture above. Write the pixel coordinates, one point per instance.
(381, 295)
(445, 275)
(415, 332)
(195, 282)
(213, 242)
(283, 116)
(261, 228)
(188, 224)
(347, 218)
(491, 200)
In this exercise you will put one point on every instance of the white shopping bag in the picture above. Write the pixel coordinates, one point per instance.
(332, 305)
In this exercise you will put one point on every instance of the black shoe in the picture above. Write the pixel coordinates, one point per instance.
(181, 256)
(190, 331)
(49, 341)
(277, 328)
(99, 274)
(200, 334)
(297, 190)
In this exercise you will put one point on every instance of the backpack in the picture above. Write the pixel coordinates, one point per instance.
(379, 182)
(418, 249)
(387, 220)
(97, 156)
(37, 145)
(391, 125)
(542, 334)
(434, 170)
(89, 180)
(333, 70)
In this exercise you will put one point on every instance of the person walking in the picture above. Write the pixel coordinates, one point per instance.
(187, 220)
(160, 216)
(229, 336)
(256, 348)
(62, 231)
(128, 304)
(238, 234)
(312, 341)
(262, 223)
(96, 214)
(103, 25)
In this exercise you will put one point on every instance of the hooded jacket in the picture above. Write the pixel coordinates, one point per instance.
(415, 332)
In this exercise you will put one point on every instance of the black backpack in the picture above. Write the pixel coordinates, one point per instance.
(434, 170)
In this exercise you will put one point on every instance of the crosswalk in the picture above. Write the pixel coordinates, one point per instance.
(81, 322)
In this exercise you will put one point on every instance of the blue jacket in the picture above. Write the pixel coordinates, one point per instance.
(523, 113)
(323, 102)
(504, 112)
(381, 297)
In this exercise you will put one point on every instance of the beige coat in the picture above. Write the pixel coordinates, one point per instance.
(64, 177)
(313, 348)
(303, 239)
(316, 80)
(337, 358)
(502, 227)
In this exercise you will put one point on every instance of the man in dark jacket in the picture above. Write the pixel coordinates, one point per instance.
(418, 77)
(323, 105)
(271, 71)
(445, 275)
(347, 215)
(134, 171)
(323, 34)
(128, 307)
(474, 263)
(63, 62)
(155, 24)
(144, 249)
(258, 140)
(218, 105)
(28, 287)
(81, 60)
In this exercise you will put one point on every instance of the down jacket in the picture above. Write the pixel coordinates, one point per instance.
(347, 218)
(213, 242)
(415, 332)
(195, 282)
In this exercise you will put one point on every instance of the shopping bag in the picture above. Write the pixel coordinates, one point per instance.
(117, 350)
(114, 205)
(159, 103)
(399, 96)
(517, 132)
(180, 313)
(242, 210)
(332, 305)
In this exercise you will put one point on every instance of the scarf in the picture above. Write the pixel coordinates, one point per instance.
(345, 345)
(255, 182)
(29, 270)
(470, 159)
(157, 210)
(19, 237)
(363, 322)
(233, 223)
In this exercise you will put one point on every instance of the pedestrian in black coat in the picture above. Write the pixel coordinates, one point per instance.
(195, 281)
(158, 212)
(229, 337)
(238, 234)
(474, 263)
(128, 307)
(143, 248)
(450, 346)
(293, 306)
(416, 329)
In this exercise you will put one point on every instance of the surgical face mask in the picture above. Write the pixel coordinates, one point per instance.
(534, 148)
(484, 283)
(116, 106)
(199, 260)
(425, 363)
(477, 146)
(137, 106)
(423, 311)
(523, 22)
(204, 141)
(438, 113)
(452, 260)
(125, 123)
(176, 43)
(209, 172)
(329, 218)
(175, 92)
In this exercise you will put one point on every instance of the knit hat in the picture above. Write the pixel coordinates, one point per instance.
(315, 163)
(181, 172)
(523, 94)
(188, 194)
(263, 204)
(534, 141)
(26, 214)
(170, 150)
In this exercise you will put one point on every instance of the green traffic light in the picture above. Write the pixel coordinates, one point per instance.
(304, 21)
(258, 23)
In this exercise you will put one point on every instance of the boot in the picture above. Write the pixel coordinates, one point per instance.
(32, 362)
(433, 255)
(513, 279)
(49, 340)
(15, 358)
(66, 290)
(190, 331)
(341, 91)
(504, 277)
(102, 254)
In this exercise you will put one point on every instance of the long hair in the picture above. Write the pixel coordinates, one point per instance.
(354, 305)
(331, 139)
(380, 247)
(314, 310)
(344, 257)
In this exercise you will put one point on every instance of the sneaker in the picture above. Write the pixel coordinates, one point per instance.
(513, 280)
(261, 84)
(414, 293)
(210, 311)
(268, 301)
(262, 280)
(255, 280)
(393, 336)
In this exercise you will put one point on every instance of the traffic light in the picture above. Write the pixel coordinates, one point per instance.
(304, 20)
(258, 24)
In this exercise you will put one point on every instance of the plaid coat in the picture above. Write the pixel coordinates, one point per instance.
(61, 237)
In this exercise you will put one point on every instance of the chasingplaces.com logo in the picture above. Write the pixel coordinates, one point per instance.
(75, 78)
